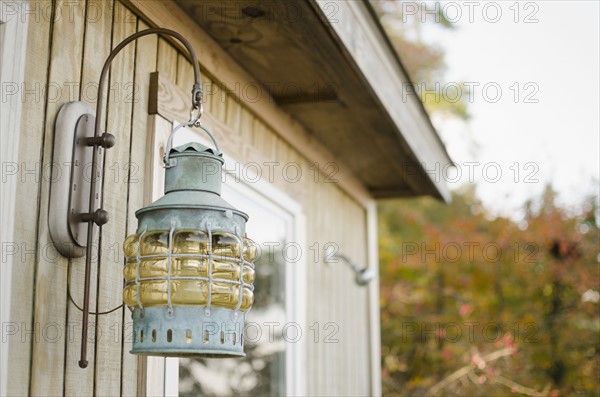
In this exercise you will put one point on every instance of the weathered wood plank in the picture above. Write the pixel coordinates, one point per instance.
(167, 59)
(158, 132)
(233, 110)
(298, 174)
(331, 234)
(282, 158)
(114, 199)
(318, 276)
(48, 355)
(27, 206)
(246, 130)
(247, 122)
(219, 103)
(185, 73)
(166, 65)
(145, 63)
(356, 297)
(231, 113)
(95, 50)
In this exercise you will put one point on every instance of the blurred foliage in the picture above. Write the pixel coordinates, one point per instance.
(476, 305)
(424, 62)
(482, 306)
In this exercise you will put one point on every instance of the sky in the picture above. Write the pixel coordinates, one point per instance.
(534, 70)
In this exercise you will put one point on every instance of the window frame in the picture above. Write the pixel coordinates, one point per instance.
(13, 41)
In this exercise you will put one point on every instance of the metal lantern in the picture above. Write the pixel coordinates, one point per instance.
(189, 270)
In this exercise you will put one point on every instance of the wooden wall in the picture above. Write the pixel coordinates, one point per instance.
(67, 45)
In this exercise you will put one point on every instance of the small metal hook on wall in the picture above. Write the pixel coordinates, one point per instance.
(363, 275)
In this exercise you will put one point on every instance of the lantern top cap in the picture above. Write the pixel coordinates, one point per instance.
(192, 147)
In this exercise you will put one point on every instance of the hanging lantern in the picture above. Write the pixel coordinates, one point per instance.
(189, 271)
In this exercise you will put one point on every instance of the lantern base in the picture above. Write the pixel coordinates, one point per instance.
(188, 332)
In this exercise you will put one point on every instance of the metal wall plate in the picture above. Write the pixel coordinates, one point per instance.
(71, 177)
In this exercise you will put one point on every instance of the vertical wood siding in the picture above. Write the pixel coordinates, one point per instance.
(28, 206)
(68, 52)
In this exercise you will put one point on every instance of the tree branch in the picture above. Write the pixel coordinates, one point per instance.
(517, 387)
(507, 351)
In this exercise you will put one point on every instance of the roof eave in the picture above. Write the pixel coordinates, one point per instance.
(390, 83)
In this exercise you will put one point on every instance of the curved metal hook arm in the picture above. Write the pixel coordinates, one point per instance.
(196, 92)
(362, 275)
(196, 104)
(347, 261)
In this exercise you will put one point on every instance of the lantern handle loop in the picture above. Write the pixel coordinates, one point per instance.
(191, 123)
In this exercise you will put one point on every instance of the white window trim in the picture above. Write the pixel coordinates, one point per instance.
(162, 375)
(13, 41)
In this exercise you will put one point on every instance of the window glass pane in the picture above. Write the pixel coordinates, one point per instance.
(262, 371)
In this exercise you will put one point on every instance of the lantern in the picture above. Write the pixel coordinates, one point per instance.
(189, 271)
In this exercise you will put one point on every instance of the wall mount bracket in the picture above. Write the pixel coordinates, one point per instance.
(74, 145)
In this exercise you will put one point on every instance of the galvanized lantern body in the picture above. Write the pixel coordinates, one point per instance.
(189, 271)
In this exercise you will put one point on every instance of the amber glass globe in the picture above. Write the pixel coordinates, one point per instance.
(199, 267)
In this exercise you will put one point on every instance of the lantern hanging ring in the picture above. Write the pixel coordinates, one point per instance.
(195, 114)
